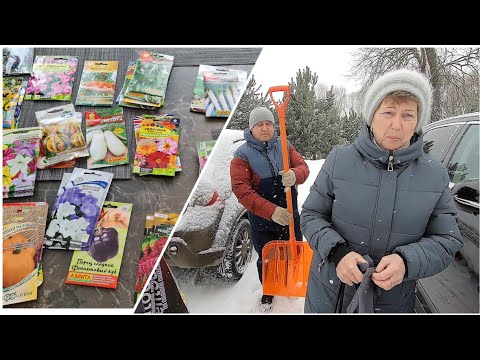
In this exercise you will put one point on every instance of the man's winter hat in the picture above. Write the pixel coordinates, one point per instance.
(400, 80)
(260, 114)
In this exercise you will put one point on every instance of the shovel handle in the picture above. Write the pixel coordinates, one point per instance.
(281, 110)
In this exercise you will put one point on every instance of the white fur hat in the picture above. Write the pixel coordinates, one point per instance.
(400, 80)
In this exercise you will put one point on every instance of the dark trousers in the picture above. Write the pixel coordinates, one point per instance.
(260, 238)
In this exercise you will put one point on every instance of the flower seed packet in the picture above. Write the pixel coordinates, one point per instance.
(100, 266)
(20, 153)
(97, 85)
(77, 208)
(23, 234)
(157, 147)
(52, 78)
(157, 230)
(137, 121)
(13, 95)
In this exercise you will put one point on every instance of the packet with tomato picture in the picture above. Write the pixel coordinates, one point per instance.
(97, 85)
(23, 234)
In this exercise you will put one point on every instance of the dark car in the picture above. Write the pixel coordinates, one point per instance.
(455, 142)
(214, 231)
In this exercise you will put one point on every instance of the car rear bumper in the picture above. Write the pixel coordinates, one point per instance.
(179, 254)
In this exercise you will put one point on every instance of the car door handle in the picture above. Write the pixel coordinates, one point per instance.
(466, 202)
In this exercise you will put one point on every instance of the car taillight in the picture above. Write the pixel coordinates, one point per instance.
(214, 199)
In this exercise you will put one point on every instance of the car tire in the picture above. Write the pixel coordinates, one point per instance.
(238, 253)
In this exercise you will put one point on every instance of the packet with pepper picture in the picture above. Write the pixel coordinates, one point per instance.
(100, 265)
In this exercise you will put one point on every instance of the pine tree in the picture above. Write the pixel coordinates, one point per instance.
(351, 125)
(329, 128)
(302, 114)
(251, 98)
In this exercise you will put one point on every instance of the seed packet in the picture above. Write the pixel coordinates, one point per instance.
(20, 153)
(157, 147)
(97, 85)
(42, 161)
(23, 231)
(106, 138)
(17, 61)
(162, 294)
(149, 80)
(201, 101)
(13, 94)
(121, 97)
(204, 148)
(157, 230)
(77, 208)
(52, 78)
(62, 135)
(137, 120)
(220, 87)
(100, 266)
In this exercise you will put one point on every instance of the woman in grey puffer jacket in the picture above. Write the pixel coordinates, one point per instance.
(381, 196)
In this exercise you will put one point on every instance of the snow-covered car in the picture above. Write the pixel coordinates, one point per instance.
(455, 142)
(214, 230)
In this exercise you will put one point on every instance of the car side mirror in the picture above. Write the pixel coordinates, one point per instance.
(465, 194)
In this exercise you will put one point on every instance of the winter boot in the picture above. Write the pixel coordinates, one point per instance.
(266, 303)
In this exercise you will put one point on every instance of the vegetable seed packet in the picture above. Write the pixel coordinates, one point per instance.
(62, 136)
(148, 84)
(97, 85)
(106, 138)
(23, 231)
(100, 266)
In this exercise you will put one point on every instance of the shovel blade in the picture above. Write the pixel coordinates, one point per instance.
(285, 272)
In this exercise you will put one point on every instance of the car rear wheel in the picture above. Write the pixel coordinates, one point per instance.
(239, 252)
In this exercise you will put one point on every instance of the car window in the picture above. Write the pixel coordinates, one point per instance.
(436, 140)
(463, 164)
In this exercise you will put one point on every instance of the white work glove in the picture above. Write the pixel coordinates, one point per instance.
(281, 216)
(288, 178)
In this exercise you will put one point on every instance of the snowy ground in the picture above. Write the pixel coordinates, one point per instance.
(206, 294)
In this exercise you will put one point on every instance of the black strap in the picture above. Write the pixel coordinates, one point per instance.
(339, 300)
(367, 270)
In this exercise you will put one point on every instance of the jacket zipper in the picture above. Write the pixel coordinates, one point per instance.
(390, 162)
(389, 168)
(375, 214)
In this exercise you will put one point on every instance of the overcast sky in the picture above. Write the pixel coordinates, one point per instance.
(276, 65)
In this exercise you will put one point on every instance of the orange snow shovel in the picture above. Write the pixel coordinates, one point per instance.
(285, 264)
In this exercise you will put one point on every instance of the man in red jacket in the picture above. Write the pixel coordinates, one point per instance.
(259, 182)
